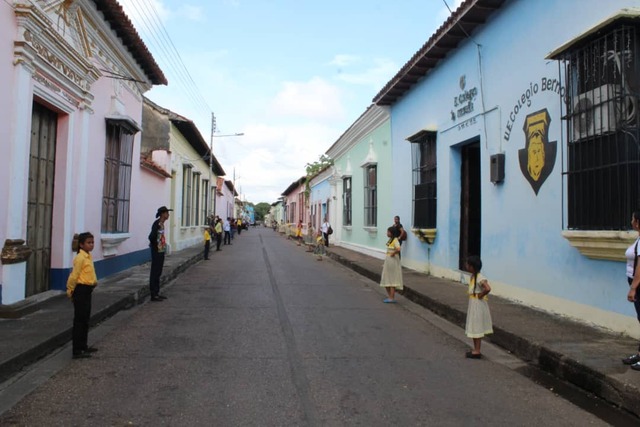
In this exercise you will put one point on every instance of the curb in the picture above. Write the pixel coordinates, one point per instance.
(610, 389)
(136, 297)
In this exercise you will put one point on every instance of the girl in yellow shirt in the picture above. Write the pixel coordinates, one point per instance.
(80, 285)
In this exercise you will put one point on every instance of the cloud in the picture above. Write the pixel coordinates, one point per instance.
(377, 76)
(344, 60)
(270, 156)
(316, 99)
(193, 13)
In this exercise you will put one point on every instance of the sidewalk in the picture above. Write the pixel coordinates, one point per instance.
(47, 326)
(587, 357)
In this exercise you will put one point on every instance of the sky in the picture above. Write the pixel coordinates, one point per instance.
(291, 75)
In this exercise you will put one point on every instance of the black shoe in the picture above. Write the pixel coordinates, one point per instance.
(635, 366)
(162, 297)
(81, 355)
(90, 350)
(470, 355)
(156, 298)
(634, 358)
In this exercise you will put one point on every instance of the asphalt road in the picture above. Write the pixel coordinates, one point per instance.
(263, 334)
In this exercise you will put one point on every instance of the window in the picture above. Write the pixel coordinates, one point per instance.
(116, 193)
(205, 200)
(346, 201)
(423, 155)
(603, 155)
(292, 212)
(301, 207)
(370, 196)
(187, 182)
(196, 198)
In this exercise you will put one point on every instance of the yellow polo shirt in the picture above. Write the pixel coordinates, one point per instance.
(83, 272)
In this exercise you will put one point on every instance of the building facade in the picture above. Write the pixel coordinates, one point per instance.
(521, 147)
(76, 73)
(361, 184)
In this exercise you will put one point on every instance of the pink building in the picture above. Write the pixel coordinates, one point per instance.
(74, 74)
(295, 202)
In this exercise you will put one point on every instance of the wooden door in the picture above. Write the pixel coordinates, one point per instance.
(470, 201)
(40, 203)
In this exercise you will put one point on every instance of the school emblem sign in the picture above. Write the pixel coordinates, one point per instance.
(538, 157)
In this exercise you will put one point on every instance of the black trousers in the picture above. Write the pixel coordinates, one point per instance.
(636, 304)
(218, 241)
(81, 316)
(157, 262)
(227, 237)
(326, 239)
(207, 245)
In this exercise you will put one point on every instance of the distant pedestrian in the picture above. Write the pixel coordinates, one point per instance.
(399, 232)
(158, 245)
(80, 285)
(217, 231)
(478, 316)
(319, 249)
(239, 225)
(392, 268)
(207, 242)
(633, 278)
(233, 226)
(326, 231)
(226, 228)
(299, 232)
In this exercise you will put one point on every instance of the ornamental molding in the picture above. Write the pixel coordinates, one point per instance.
(374, 117)
(425, 235)
(605, 245)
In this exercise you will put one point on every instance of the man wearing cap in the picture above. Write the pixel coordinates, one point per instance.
(158, 245)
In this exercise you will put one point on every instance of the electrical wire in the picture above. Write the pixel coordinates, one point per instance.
(161, 40)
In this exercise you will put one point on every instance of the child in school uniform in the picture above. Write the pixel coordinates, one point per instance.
(299, 232)
(80, 285)
(319, 250)
(392, 268)
(207, 242)
(478, 316)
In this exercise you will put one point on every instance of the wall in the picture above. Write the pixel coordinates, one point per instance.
(524, 252)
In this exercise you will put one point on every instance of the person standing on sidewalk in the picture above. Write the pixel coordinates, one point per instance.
(207, 242)
(399, 232)
(478, 316)
(299, 233)
(633, 278)
(158, 245)
(226, 227)
(218, 233)
(326, 231)
(239, 225)
(392, 269)
(80, 285)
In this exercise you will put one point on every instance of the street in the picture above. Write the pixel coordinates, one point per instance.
(264, 334)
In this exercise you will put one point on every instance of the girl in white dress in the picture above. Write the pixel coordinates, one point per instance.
(478, 316)
(392, 268)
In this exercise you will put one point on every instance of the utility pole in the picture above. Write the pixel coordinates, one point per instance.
(212, 188)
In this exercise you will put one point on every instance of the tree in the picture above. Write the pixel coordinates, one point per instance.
(314, 169)
(261, 210)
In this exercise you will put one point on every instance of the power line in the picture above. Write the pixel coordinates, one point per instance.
(156, 31)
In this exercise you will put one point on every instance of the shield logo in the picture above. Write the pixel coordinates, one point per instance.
(538, 157)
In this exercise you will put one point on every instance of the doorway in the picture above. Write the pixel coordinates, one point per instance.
(470, 203)
(42, 156)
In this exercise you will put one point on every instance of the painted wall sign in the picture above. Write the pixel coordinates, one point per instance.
(545, 85)
(538, 157)
(463, 102)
